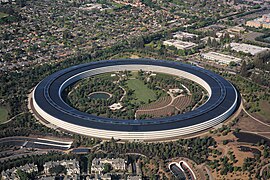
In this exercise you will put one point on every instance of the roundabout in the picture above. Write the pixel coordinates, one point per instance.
(48, 103)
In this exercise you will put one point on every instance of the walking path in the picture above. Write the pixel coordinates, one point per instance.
(265, 166)
(104, 92)
(195, 106)
(12, 118)
(170, 104)
(268, 125)
(125, 92)
(209, 173)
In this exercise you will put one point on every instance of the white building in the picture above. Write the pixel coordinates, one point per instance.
(115, 106)
(91, 7)
(205, 39)
(181, 35)
(247, 48)
(220, 58)
(220, 34)
(179, 44)
(98, 164)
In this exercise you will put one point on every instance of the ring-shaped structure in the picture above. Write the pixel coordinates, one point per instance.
(49, 105)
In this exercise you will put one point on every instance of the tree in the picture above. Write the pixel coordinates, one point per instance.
(233, 63)
(244, 70)
(23, 175)
(237, 130)
(57, 169)
(225, 142)
(107, 168)
(261, 60)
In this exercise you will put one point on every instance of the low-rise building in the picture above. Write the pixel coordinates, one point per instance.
(263, 22)
(247, 48)
(91, 7)
(98, 164)
(72, 166)
(180, 44)
(184, 35)
(12, 173)
(221, 34)
(236, 29)
(220, 58)
(205, 39)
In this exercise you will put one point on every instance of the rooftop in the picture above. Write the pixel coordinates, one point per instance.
(247, 48)
(222, 58)
(181, 35)
(179, 44)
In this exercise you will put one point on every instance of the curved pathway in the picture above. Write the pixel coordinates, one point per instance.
(36, 142)
(104, 92)
(265, 166)
(195, 106)
(138, 154)
(125, 92)
(268, 125)
(12, 118)
(170, 104)
(209, 173)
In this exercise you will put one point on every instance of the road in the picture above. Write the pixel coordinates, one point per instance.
(209, 173)
(36, 143)
(21, 155)
(30, 146)
(177, 172)
(268, 125)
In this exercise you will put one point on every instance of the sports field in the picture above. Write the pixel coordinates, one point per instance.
(141, 91)
(3, 115)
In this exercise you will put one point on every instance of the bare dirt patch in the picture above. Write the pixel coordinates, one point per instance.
(182, 102)
(232, 146)
(134, 56)
(165, 106)
(264, 114)
(161, 102)
(248, 124)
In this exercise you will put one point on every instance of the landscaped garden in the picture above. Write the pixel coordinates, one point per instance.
(134, 95)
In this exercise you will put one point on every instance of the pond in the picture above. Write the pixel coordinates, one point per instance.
(99, 95)
(250, 138)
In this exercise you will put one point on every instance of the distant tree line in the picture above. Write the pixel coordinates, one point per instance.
(196, 149)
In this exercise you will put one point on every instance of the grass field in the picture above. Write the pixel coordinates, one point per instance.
(265, 110)
(2, 15)
(141, 91)
(107, 76)
(134, 74)
(3, 115)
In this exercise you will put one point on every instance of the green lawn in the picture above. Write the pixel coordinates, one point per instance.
(107, 76)
(3, 115)
(2, 15)
(265, 109)
(141, 91)
(133, 74)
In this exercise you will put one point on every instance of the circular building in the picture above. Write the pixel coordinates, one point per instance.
(48, 105)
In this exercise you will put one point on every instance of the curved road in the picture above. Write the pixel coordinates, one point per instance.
(38, 143)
